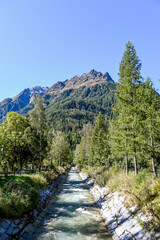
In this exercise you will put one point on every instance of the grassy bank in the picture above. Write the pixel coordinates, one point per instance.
(20, 194)
(142, 190)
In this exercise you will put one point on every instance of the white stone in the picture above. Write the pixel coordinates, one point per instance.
(119, 230)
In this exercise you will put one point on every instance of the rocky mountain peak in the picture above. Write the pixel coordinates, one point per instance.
(93, 72)
(86, 79)
(21, 100)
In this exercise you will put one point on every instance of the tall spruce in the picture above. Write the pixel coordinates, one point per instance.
(99, 142)
(150, 108)
(128, 117)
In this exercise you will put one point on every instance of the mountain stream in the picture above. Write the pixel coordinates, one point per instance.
(72, 214)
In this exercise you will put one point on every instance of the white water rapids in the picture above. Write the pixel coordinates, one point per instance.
(72, 214)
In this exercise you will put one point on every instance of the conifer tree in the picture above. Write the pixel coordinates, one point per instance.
(126, 103)
(150, 107)
(99, 143)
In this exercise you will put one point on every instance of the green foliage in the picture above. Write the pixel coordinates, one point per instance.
(50, 175)
(99, 142)
(60, 170)
(20, 194)
(69, 111)
(59, 150)
(134, 131)
(82, 153)
(16, 198)
(38, 180)
(12, 142)
(37, 130)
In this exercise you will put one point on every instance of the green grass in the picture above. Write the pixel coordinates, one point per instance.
(142, 190)
(19, 194)
(4, 180)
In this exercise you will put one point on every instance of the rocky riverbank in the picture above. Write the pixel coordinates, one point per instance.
(17, 229)
(123, 223)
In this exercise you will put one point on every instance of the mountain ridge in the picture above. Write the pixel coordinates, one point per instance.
(70, 103)
(20, 100)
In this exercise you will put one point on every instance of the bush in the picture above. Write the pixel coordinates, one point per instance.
(100, 180)
(38, 180)
(16, 198)
(141, 186)
(50, 176)
(60, 170)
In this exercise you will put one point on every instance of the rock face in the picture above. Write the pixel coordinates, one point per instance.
(20, 101)
(86, 79)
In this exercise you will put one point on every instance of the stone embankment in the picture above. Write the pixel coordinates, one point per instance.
(123, 224)
(17, 229)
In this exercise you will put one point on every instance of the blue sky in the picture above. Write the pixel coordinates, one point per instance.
(45, 41)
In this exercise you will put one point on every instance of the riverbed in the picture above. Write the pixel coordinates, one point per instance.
(72, 214)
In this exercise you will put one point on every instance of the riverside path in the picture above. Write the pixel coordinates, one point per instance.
(71, 215)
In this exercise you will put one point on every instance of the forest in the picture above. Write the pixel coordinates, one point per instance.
(122, 153)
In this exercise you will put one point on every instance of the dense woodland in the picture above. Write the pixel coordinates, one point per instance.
(27, 143)
(128, 142)
(132, 138)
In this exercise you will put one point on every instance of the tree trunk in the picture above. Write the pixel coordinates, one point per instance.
(40, 152)
(134, 151)
(126, 155)
(126, 160)
(135, 165)
(153, 163)
(40, 165)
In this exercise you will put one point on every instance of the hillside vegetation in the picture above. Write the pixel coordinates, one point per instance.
(70, 104)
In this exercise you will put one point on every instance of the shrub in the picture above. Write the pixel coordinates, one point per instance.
(38, 180)
(50, 176)
(16, 198)
(100, 180)
(141, 186)
(60, 170)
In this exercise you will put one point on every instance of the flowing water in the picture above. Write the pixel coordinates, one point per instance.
(72, 215)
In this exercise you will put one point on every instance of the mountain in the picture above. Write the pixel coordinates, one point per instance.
(70, 103)
(20, 101)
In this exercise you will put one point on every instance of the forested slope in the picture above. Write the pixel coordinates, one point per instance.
(70, 104)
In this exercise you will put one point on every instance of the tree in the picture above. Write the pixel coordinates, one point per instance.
(150, 108)
(99, 142)
(127, 105)
(37, 121)
(82, 155)
(60, 152)
(13, 144)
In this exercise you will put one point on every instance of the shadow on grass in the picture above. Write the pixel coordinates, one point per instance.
(4, 180)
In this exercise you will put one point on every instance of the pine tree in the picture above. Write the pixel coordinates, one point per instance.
(127, 105)
(150, 108)
(99, 143)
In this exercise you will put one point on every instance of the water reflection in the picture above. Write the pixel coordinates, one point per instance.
(73, 215)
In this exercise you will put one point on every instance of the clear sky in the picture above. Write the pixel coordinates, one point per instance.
(45, 41)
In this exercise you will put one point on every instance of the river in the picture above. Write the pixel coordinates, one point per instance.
(72, 214)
